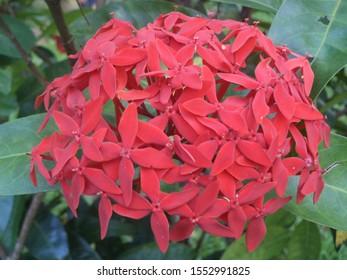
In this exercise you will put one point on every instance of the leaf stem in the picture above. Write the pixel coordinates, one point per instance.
(23, 53)
(28, 220)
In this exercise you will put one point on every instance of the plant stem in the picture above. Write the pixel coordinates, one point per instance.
(58, 17)
(28, 220)
(23, 53)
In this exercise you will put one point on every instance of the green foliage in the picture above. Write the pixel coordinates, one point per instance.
(304, 231)
(22, 32)
(274, 242)
(264, 5)
(317, 28)
(305, 242)
(16, 140)
(331, 209)
(47, 239)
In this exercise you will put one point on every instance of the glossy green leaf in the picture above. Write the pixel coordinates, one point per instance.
(16, 140)
(264, 5)
(275, 240)
(133, 11)
(21, 31)
(305, 242)
(331, 209)
(150, 251)
(47, 239)
(317, 28)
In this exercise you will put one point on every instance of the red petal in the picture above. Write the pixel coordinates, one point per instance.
(307, 112)
(166, 54)
(280, 175)
(237, 221)
(101, 180)
(64, 157)
(90, 50)
(285, 102)
(151, 158)
(106, 49)
(128, 56)
(294, 165)
(160, 228)
(308, 77)
(126, 174)
(259, 106)
(91, 116)
(77, 185)
(94, 85)
(128, 125)
(105, 214)
(242, 37)
(255, 233)
(311, 183)
(254, 190)
(177, 199)
(66, 124)
(90, 149)
(213, 59)
(233, 120)
(134, 94)
(254, 151)
(224, 158)
(205, 199)
(211, 226)
(108, 78)
(130, 213)
(185, 54)
(241, 80)
(150, 184)
(151, 134)
(190, 79)
(242, 172)
(199, 107)
(181, 230)
(110, 150)
(242, 54)
(273, 204)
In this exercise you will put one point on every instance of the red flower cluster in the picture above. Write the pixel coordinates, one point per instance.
(190, 113)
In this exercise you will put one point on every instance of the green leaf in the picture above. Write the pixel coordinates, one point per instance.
(316, 27)
(274, 242)
(21, 31)
(264, 5)
(305, 243)
(150, 251)
(80, 249)
(16, 140)
(12, 211)
(5, 81)
(331, 209)
(133, 11)
(342, 254)
(47, 239)
(6, 205)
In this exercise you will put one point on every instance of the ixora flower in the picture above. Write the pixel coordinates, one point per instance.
(188, 111)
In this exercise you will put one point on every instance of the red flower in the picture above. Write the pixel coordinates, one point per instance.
(191, 112)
